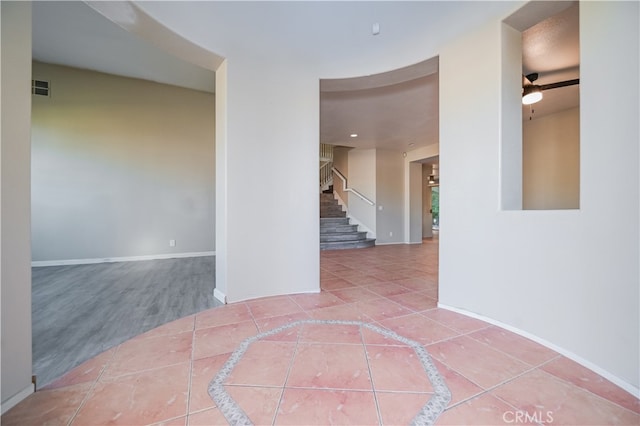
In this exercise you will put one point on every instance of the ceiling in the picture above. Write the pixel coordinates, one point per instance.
(72, 33)
(395, 110)
(551, 48)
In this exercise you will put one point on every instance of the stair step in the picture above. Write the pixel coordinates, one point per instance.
(341, 245)
(330, 207)
(336, 231)
(343, 236)
(331, 228)
(332, 213)
(336, 215)
(334, 221)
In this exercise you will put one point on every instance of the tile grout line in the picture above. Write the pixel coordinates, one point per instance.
(490, 388)
(580, 387)
(286, 378)
(92, 387)
(557, 378)
(190, 376)
(373, 387)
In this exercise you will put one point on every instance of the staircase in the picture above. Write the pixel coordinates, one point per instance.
(335, 230)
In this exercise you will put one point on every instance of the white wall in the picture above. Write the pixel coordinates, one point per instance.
(15, 251)
(389, 197)
(551, 161)
(120, 166)
(569, 277)
(362, 178)
(549, 268)
(261, 214)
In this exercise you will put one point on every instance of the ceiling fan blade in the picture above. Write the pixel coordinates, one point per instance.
(559, 84)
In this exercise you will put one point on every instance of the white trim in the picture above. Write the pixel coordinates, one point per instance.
(220, 296)
(587, 364)
(38, 263)
(17, 398)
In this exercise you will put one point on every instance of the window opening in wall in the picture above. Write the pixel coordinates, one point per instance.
(551, 112)
(540, 143)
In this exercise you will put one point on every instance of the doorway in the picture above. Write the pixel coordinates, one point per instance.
(430, 197)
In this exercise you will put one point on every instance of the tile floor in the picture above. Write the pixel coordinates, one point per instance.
(333, 374)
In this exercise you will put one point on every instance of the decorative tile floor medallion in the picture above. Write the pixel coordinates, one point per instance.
(236, 416)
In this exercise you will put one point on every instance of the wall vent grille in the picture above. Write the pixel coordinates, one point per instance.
(40, 87)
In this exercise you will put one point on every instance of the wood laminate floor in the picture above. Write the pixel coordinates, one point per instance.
(80, 311)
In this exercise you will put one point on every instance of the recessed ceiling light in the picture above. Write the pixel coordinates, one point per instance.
(354, 135)
(411, 144)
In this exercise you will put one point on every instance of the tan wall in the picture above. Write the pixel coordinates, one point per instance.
(15, 265)
(120, 167)
(551, 161)
(389, 197)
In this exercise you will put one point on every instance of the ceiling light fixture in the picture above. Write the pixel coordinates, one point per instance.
(353, 135)
(531, 94)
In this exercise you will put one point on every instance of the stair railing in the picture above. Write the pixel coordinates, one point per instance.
(347, 189)
(326, 163)
(326, 176)
(326, 152)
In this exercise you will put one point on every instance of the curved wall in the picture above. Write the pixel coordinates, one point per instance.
(566, 277)
(560, 276)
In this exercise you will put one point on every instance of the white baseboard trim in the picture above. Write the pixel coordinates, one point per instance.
(17, 398)
(587, 364)
(220, 296)
(38, 263)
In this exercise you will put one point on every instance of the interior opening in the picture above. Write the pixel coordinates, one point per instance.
(540, 167)
(551, 126)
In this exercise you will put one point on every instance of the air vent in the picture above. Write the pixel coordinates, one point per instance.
(40, 87)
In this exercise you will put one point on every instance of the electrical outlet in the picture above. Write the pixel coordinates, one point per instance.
(390, 233)
(172, 243)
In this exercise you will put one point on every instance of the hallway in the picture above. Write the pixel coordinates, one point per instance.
(324, 371)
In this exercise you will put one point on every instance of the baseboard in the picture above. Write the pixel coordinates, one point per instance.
(39, 263)
(587, 364)
(220, 296)
(17, 398)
